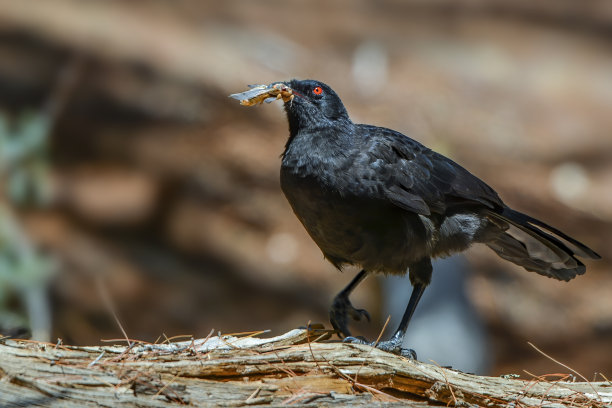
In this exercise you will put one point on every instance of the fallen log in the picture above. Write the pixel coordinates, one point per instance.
(298, 368)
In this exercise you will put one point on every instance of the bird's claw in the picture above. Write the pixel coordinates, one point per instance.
(391, 346)
(358, 314)
(341, 310)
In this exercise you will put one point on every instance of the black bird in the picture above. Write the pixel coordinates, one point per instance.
(373, 197)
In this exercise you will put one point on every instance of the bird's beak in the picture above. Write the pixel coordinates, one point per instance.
(264, 93)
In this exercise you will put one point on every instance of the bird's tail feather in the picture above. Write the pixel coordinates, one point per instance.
(536, 246)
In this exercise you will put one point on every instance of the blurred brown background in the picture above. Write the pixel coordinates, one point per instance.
(125, 165)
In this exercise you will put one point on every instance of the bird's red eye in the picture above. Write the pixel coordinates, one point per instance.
(318, 90)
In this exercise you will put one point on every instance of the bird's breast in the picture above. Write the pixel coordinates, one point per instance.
(355, 230)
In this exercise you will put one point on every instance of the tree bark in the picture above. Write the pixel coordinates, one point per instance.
(292, 369)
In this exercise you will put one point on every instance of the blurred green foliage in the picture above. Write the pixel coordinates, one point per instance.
(24, 158)
(24, 270)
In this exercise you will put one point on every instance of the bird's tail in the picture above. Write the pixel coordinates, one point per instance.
(536, 246)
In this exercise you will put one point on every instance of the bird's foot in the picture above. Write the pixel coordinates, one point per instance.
(341, 310)
(392, 346)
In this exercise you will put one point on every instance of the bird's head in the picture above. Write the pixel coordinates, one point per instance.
(309, 104)
(313, 103)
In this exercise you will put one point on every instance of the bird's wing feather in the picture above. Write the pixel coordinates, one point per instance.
(416, 178)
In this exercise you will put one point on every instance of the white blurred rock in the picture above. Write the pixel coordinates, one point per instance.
(282, 248)
(370, 67)
(569, 182)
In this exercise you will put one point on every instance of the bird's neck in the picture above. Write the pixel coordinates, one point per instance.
(312, 118)
(324, 145)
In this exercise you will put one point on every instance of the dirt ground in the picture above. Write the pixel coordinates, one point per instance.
(164, 192)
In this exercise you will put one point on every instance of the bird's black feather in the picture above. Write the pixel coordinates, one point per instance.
(374, 197)
(416, 178)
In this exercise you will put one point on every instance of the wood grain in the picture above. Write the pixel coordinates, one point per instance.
(248, 371)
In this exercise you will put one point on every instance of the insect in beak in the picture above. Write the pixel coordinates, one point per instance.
(264, 93)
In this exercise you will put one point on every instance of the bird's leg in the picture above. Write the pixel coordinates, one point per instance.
(342, 308)
(420, 276)
(394, 345)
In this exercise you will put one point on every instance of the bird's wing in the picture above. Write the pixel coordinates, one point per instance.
(416, 178)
